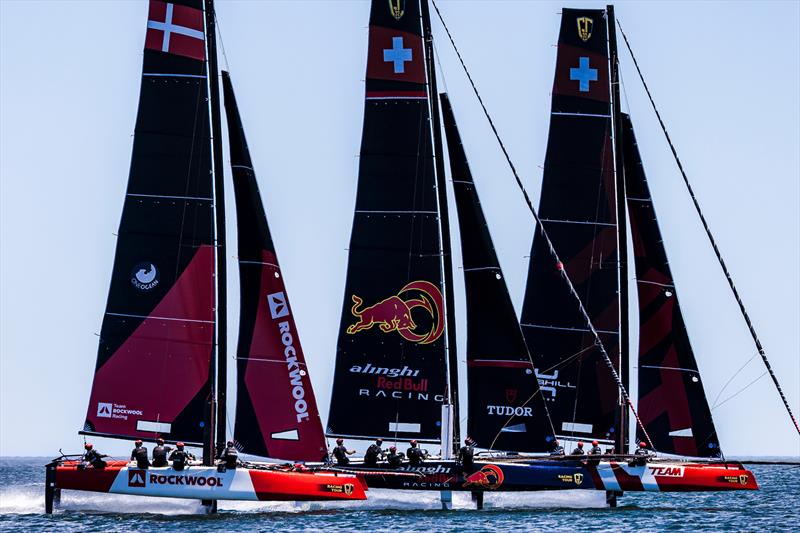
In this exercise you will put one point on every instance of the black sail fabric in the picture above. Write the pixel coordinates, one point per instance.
(506, 409)
(276, 411)
(390, 374)
(672, 403)
(578, 209)
(156, 341)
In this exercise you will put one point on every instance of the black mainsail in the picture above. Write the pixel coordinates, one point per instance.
(390, 374)
(506, 409)
(160, 311)
(672, 403)
(276, 411)
(578, 209)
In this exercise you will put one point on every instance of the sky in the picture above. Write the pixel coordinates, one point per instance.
(726, 77)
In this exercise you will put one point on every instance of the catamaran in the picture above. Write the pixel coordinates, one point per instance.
(161, 364)
(561, 372)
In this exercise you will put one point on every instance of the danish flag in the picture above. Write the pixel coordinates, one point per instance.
(175, 29)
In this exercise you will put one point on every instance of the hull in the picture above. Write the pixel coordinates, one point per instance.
(207, 483)
(546, 474)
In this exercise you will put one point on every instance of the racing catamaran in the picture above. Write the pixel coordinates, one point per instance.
(161, 365)
(396, 363)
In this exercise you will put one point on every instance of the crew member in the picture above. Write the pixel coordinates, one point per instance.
(415, 454)
(180, 457)
(92, 457)
(466, 455)
(394, 459)
(558, 449)
(595, 448)
(641, 455)
(579, 449)
(374, 454)
(139, 454)
(340, 453)
(230, 455)
(160, 453)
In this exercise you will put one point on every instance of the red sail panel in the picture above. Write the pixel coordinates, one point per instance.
(672, 403)
(156, 341)
(578, 209)
(276, 411)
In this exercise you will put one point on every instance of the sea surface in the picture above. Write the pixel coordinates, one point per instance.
(776, 507)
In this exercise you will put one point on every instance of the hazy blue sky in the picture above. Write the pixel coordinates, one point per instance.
(725, 75)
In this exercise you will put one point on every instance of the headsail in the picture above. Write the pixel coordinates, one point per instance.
(506, 408)
(152, 373)
(672, 402)
(578, 209)
(390, 375)
(276, 411)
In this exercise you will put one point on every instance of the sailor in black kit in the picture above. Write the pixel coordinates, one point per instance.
(160, 453)
(139, 454)
(180, 457)
(394, 459)
(340, 453)
(230, 455)
(579, 449)
(642, 455)
(595, 448)
(93, 457)
(466, 455)
(558, 449)
(374, 454)
(415, 455)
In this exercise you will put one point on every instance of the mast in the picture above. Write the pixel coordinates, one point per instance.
(622, 231)
(219, 361)
(444, 223)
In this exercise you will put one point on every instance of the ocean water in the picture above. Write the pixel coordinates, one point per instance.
(776, 507)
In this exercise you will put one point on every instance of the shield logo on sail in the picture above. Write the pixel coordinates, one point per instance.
(348, 488)
(511, 395)
(397, 8)
(578, 478)
(585, 28)
(743, 479)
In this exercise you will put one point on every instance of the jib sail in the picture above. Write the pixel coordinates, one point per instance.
(152, 373)
(672, 402)
(506, 408)
(276, 412)
(390, 375)
(577, 207)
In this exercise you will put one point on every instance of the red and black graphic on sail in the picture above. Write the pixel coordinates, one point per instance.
(276, 411)
(152, 374)
(578, 209)
(506, 408)
(390, 371)
(672, 403)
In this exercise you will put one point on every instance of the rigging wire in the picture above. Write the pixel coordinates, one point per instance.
(543, 233)
(740, 391)
(711, 239)
(731, 380)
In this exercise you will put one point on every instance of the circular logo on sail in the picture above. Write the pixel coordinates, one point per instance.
(144, 276)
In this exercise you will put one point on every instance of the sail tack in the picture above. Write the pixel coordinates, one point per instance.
(390, 374)
(578, 208)
(276, 411)
(156, 341)
(506, 408)
(672, 403)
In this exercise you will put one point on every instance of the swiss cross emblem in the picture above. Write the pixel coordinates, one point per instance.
(175, 29)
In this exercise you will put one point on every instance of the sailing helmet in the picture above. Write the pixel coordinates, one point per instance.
(555, 442)
(138, 442)
(179, 445)
(642, 444)
(339, 441)
(230, 443)
(379, 440)
(160, 441)
(580, 444)
(413, 443)
(595, 443)
(88, 445)
(393, 448)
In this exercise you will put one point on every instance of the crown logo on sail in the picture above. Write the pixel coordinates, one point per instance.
(394, 313)
(585, 28)
(397, 8)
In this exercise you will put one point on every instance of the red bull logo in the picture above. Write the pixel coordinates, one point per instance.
(394, 313)
(489, 477)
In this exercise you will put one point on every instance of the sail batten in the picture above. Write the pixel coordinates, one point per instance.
(276, 410)
(152, 376)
